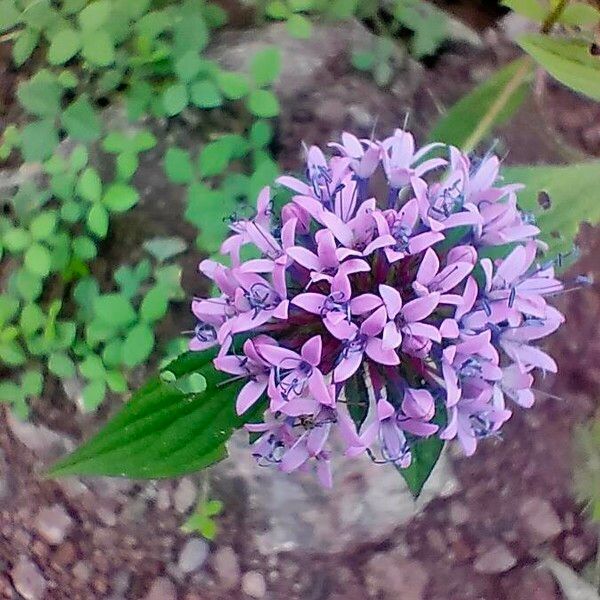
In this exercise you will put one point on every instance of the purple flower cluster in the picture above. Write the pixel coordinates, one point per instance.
(399, 296)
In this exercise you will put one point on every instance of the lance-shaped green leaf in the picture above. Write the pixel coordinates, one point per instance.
(567, 60)
(574, 198)
(425, 455)
(163, 432)
(458, 124)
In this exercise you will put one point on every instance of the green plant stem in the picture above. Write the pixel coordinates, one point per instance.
(512, 85)
(498, 105)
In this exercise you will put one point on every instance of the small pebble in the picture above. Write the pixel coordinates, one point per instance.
(253, 584)
(193, 555)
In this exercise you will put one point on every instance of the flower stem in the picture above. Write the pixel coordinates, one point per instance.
(597, 570)
(498, 105)
(512, 85)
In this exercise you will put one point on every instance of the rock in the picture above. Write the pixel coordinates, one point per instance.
(163, 499)
(65, 554)
(577, 550)
(253, 584)
(121, 582)
(459, 513)
(540, 519)
(386, 574)
(193, 555)
(227, 567)
(185, 495)
(161, 589)
(368, 502)
(498, 559)
(54, 524)
(28, 580)
(82, 571)
(43, 442)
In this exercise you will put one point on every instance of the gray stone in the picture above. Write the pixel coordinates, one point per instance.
(82, 571)
(367, 503)
(163, 499)
(193, 555)
(253, 584)
(459, 513)
(386, 574)
(227, 567)
(540, 519)
(498, 559)
(43, 442)
(28, 580)
(301, 62)
(162, 589)
(185, 495)
(53, 524)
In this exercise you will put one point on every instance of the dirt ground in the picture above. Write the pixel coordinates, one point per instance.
(87, 539)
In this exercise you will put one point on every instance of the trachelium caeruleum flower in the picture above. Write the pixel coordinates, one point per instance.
(430, 299)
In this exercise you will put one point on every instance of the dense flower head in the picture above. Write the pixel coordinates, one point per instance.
(379, 319)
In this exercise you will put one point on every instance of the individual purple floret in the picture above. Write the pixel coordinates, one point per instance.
(371, 323)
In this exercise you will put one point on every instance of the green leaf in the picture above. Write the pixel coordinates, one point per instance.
(64, 45)
(233, 85)
(43, 226)
(41, 95)
(114, 309)
(567, 60)
(363, 60)
(116, 382)
(299, 26)
(143, 141)
(16, 239)
(357, 397)
(265, 66)
(9, 307)
(579, 14)
(93, 394)
(120, 197)
(162, 432)
(9, 15)
(25, 45)
(263, 103)
(94, 15)
(81, 121)
(61, 365)
(39, 139)
(84, 248)
(460, 121)
(98, 48)
(32, 383)
(12, 354)
(97, 221)
(531, 9)
(277, 9)
(188, 66)
(92, 367)
(213, 159)
(178, 165)
(28, 285)
(138, 345)
(111, 355)
(127, 164)
(154, 305)
(574, 195)
(89, 185)
(9, 392)
(116, 142)
(37, 260)
(260, 134)
(164, 248)
(175, 99)
(205, 94)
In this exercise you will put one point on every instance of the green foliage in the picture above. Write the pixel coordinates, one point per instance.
(568, 60)
(587, 467)
(202, 520)
(461, 120)
(152, 57)
(574, 196)
(162, 431)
